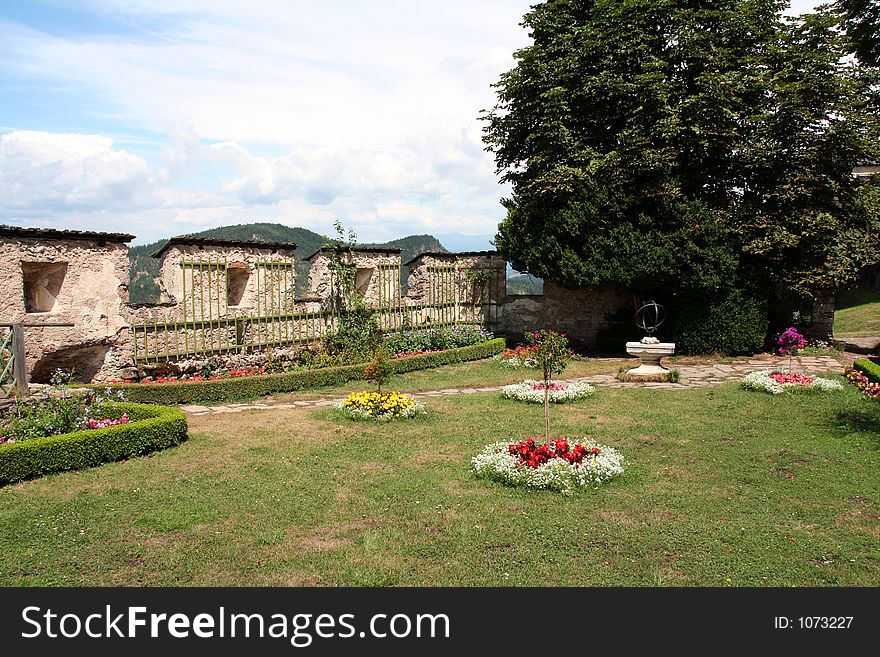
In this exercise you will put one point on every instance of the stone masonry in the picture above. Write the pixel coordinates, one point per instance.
(52, 277)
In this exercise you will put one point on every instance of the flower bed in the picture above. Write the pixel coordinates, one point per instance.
(533, 391)
(860, 380)
(561, 465)
(371, 405)
(778, 382)
(428, 341)
(221, 375)
(149, 428)
(522, 356)
(251, 387)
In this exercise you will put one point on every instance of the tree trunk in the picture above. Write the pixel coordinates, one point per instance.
(822, 326)
(546, 406)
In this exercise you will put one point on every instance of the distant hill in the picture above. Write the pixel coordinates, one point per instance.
(145, 270)
(525, 284)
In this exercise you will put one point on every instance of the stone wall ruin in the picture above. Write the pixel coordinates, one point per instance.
(232, 296)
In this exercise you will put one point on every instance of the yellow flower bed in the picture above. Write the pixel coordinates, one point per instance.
(371, 405)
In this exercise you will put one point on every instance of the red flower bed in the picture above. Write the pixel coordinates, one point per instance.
(532, 454)
(793, 378)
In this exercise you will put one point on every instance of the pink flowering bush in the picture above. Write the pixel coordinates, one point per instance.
(789, 343)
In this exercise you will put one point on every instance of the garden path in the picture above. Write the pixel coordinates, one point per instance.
(691, 376)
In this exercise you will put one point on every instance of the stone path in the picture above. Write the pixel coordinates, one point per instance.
(691, 376)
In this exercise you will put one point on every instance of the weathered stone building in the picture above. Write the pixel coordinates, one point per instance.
(224, 296)
(376, 275)
(67, 277)
(211, 277)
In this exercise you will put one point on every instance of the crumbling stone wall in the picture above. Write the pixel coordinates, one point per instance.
(580, 313)
(55, 280)
(260, 280)
(377, 276)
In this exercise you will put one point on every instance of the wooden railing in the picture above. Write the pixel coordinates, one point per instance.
(13, 361)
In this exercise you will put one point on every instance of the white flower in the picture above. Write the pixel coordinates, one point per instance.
(533, 392)
(495, 462)
(762, 382)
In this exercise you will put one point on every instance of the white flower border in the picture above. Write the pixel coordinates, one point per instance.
(526, 393)
(496, 463)
(761, 381)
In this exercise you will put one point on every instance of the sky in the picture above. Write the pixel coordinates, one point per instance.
(165, 117)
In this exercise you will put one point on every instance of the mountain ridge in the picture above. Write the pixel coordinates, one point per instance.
(145, 269)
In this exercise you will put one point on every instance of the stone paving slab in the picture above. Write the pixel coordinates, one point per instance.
(691, 376)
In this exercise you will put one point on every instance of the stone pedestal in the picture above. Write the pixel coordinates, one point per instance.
(650, 355)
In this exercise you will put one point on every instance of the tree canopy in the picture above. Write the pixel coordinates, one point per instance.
(684, 144)
(861, 20)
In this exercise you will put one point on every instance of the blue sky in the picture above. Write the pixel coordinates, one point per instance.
(162, 117)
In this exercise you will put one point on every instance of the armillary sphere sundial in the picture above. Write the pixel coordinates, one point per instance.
(649, 316)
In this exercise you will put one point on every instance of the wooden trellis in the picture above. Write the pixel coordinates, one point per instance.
(210, 325)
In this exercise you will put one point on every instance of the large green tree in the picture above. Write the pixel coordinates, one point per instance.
(861, 20)
(663, 144)
(802, 212)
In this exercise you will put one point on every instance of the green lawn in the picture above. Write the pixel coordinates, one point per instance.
(723, 487)
(477, 374)
(858, 314)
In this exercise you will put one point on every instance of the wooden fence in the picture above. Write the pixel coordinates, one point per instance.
(210, 325)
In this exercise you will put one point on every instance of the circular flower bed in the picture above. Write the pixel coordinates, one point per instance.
(371, 405)
(778, 382)
(561, 465)
(533, 391)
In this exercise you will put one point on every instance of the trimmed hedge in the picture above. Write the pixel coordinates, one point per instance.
(869, 367)
(252, 387)
(732, 322)
(151, 428)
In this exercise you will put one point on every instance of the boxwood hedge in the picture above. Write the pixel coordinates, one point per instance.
(151, 428)
(252, 387)
(870, 367)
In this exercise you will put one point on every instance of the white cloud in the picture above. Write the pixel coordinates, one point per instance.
(293, 111)
(42, 170)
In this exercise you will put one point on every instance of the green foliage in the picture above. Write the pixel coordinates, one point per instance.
(869, 367)
(253, 387)
(803, 214)
(151, 428)
(379, 369)
(650, 142)
(357, 336)
(861, 20)
(443, 338)
(552, 355)
(731, 322)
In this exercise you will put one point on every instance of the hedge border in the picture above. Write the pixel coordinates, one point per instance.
(869, 367)
(253, 387)
(161, 427)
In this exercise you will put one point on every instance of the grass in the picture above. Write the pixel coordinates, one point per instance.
(858, 314)
(475, 374)
(723, 487)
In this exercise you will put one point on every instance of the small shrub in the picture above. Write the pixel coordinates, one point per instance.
(869, 367)
(150, 428)
(732, 322)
